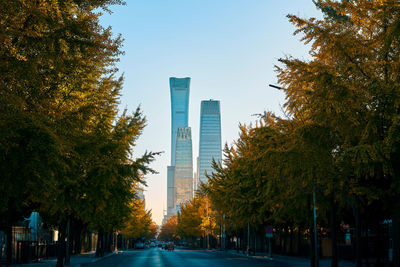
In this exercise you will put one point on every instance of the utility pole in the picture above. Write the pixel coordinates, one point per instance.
(68, 237)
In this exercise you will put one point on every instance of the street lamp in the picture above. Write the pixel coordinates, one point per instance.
(315, 212)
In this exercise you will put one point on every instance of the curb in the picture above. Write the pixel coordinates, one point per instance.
(95, 259)
(259, 258)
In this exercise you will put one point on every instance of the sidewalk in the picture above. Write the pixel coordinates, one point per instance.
(289, 260)
(75, 260)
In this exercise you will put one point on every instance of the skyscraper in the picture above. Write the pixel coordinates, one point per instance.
(210, 137)
(179, 88)
(183, 166)
(170, 190)
(196, 182)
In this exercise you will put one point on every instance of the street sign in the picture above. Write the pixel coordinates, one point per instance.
(269, 230)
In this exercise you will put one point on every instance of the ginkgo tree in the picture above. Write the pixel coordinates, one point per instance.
(168, 230)
(64, 150)
(194, 221)
(139, 223)
(340, 135)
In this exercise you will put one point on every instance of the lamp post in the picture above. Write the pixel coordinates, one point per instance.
(314, 210)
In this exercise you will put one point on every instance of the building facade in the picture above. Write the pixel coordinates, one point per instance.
(170, 190)
(196, 183)
(210, 137)
(140, 193)
(183, 166)
(179, 90)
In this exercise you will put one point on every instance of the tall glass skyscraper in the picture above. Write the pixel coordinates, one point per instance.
(170, 190)
(179, 109)
(179, 88)
(183, 166)
(210, 137)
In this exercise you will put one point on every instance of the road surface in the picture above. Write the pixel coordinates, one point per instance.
(179, 257)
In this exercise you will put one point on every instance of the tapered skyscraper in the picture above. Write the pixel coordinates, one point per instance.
(179, 88)
(210, 137)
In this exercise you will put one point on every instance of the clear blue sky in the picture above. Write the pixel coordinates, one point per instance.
(228, 48)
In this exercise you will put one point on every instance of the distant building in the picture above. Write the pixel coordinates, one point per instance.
(196, 182)
(179, 89)
(170, 190)
(140, 193)
(183, 166)
(165, 217)
(210, 137)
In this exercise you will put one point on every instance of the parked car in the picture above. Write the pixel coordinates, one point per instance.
(139, 245)
(152, 245)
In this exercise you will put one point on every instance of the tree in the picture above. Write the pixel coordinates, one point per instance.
(193, 221)
(65, 150)
(350, 87)
(169, 229)
(152, 231)
(139, 223)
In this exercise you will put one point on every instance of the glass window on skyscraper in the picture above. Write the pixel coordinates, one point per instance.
(183, 166)
(179, 88)
(210, 137)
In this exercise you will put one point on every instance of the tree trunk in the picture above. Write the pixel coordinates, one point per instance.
(312, 247)
(9, 250)
(291, 239)
(311, 237)
(77, 240)
(107, 246)
(334, 262)
(255, 241)
(99, 247)
(244, 241)
(356, 211)
(396, 230)
(68, 243)
(60, 248)
(285, 230)
(237, 242)
(299, 238)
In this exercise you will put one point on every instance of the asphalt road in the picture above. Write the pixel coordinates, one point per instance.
(181, 258)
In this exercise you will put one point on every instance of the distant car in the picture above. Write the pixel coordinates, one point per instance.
(139, 245)
(170, 246)
(152, 245)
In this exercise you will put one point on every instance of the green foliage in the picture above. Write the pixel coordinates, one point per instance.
(193, 220)
(64, 151)
(340, 134)
(139, 223)
(169, 229)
